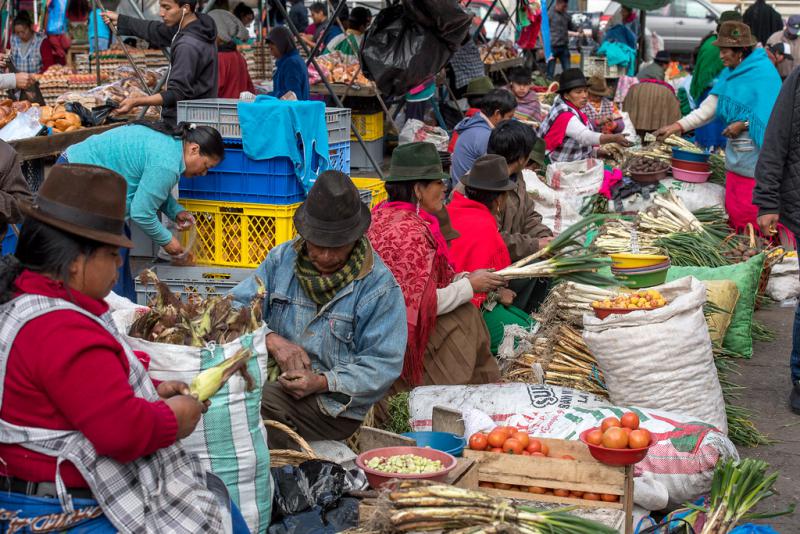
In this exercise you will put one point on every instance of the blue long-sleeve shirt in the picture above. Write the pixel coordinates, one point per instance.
(290, 74)
(151, 163)
(357, 340)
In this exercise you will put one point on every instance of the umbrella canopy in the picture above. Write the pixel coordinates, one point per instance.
(647, 5)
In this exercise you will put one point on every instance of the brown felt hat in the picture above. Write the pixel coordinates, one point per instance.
(597, 86)
(488, 173)
(734, 35)
(333, 214)
(84, 200)
(445, 226)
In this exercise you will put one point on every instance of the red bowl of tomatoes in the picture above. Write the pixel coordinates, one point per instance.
(616, 456)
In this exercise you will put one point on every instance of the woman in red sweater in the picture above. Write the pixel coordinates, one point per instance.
(86, 437)
(480, 245)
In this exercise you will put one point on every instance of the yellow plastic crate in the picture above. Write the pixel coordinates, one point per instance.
(238, 234)
(369, 126)
(375, 185)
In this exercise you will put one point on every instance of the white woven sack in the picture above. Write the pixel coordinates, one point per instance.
(784, 280)
(662, 358)
(230, 439)
(567, 187)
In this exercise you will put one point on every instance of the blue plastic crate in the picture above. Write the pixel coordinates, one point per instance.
(9, 242)
(241, 179)
(339, 156)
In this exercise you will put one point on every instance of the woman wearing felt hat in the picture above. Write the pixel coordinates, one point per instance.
(743, 97)
(567, 132)
(447, 339)
(480, 245)
(601, 110)
(88, 440)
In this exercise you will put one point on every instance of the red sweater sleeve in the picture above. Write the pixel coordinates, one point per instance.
(85, 374)
(48, 58)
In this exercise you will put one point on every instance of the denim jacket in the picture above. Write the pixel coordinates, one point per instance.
(357, 340)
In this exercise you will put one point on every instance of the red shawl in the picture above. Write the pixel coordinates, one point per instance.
(413, 248)
(554, 137)
(480, 245)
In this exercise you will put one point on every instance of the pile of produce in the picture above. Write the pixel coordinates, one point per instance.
(663, 150)
(208, 382)
(59, 119)
(338, 68)
(499, 52)
(564, 257)
(623, 433)
(9, 110)
(196, 322)
(405, 464)
(417, 506)
(646, 299)
(114, 93)
(645, 165)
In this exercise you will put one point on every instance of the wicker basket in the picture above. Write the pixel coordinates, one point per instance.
(281, 457)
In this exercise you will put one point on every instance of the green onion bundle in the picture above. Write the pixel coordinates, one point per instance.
(736, 489)
(419, 507)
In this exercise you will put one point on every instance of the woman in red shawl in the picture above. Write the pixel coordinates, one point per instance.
(480, 245)
(447, 340)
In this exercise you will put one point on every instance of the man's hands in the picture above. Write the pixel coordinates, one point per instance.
(24, 80)
(670, 129)
(173, 248)
(768, 224)
(127, 105)
(484, 280)
(185, 220)
(506, 296)
(544, 241)
(187, 412)
(302, 383)
(290, 357)
(109, 17)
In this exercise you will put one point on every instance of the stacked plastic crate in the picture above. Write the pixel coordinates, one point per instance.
(370, 127)
(244, 207)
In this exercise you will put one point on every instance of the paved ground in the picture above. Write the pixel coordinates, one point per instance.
(766, 377)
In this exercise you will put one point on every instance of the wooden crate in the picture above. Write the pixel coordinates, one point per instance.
(584, 474)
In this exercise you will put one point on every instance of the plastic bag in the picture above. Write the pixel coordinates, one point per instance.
(445, 18)
(312, 483)
(415, 130)
(96, 116)
(399, 53)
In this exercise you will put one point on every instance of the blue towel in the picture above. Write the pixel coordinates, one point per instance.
(273, 128)
(620, 34)
(619, 54)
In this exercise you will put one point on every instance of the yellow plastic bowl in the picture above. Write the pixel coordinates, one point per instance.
(627, 260)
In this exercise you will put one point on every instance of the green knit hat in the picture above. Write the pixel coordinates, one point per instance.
(537, 154)
(414, 162)
(727, 16)
(479, 86)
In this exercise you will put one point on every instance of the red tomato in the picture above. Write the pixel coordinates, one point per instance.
(485, 485)
(496, 449)
(509, 430)
(525, 453)
(497, 437)
(478, 441)
(630, 420)
(615, 438)
(609, 498)
(502, 486)
(591, 496)
(609, 422)
(576, 494)
(536, 489)
(561, 493)
(522, 437)
(567, 457)
(545, 450)
(639, 439)
(595, 437)
(534, 446)
(512, 446)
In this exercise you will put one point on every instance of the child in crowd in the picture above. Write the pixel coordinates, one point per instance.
(528, 107)
(601, 110)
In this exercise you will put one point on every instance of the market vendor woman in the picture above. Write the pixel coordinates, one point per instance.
(151, 157)
(83, 426)
(743, 97)
(567, 133)
(192, 40)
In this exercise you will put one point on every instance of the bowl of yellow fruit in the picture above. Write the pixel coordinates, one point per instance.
(623, 303)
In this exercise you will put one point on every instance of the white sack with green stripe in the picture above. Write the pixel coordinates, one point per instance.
(230, 439)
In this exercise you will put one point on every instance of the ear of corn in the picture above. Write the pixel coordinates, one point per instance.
(208, 382)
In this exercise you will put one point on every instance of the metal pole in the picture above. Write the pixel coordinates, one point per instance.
(140, 14)
(642, 38)
(319, 44)
(96, 19)
(485, 17)
(338, 102)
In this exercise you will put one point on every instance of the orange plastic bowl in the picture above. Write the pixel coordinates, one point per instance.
(616, 456)
(377, 478)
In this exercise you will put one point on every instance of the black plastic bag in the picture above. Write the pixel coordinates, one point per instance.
(309, 522)
(313, 483)
(344, 516)
(401, 50)
(445, 18)
(96, 116)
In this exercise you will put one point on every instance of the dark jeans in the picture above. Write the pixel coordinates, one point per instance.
(125, 286)
(794, 362)
(560, 53)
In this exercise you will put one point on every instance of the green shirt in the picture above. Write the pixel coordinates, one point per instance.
(151, 163)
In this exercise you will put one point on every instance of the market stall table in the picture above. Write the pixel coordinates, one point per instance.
(42, 146)
(505, 64)
(342, 89)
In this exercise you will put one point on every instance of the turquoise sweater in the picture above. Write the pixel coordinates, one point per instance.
(151, 163)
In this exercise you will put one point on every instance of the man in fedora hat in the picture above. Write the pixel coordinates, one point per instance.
(333, 310)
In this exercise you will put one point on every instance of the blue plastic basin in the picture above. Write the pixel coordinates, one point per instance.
(685, 155)
(441, 441)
